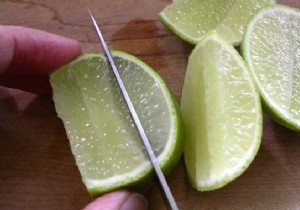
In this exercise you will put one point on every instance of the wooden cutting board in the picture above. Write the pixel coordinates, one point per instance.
(37, 169)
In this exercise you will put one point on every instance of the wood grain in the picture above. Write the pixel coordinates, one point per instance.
(37, 170)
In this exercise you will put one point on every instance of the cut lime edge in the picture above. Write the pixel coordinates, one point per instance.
(278, 114)
(171, 154)
(168, 24)
(249, 156)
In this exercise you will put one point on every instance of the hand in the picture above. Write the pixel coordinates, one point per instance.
(119, 200)
(28, 56)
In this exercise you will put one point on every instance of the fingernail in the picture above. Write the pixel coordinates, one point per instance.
(135, 202)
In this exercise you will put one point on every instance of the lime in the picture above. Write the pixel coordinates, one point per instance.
(221, 113)
(271, 48)
(192, 19)
(103, 138)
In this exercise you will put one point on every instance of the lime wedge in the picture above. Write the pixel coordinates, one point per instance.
(103, 138)
(271, 48)
(221, 113)
(192, 19)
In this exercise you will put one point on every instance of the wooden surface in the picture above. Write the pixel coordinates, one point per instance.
(37, 170)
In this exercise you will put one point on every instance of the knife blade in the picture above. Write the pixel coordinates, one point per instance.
(136, 120)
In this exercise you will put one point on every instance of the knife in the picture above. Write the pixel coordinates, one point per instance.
(136, 120)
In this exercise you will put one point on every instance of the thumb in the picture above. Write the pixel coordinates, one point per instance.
(119, 200)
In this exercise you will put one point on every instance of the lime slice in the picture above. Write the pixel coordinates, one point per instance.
(271, 48)
(192, 19)
(103, 138)
(222, 115)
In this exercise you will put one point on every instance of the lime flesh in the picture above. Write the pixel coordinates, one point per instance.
(103, 138)
(221, 113)
(271, 48)
(192, 19)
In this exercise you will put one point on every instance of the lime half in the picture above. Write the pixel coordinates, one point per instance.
(103, 138)
(192, 19)
(271, 48)
(221, 113)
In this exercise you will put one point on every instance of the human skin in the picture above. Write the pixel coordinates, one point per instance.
(28, 56)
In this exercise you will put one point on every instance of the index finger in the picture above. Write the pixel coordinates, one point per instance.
(26, 51)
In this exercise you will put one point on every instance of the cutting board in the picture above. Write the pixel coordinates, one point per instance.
(37, 169)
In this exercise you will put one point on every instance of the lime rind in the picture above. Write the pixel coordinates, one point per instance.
(232, 173)
(142, 176)
(277, 113)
